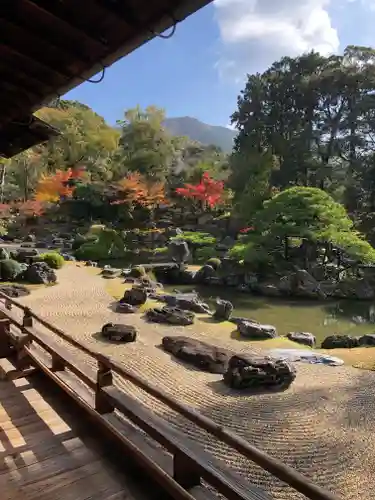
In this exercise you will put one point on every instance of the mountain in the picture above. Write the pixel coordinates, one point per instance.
(201, 132)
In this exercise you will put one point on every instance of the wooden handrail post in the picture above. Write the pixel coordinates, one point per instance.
(23, 359)
(185, 471)
(104, 379)
(27, 318)
(5, 344)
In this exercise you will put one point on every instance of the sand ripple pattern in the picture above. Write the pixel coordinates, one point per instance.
(323, 425)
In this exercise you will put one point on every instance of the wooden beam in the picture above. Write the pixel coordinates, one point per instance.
(21, 78)
(10, 52)
(62, 27)
(37, 47)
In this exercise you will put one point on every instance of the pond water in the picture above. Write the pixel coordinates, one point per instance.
(320, 318)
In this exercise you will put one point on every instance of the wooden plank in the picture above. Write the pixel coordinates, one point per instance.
(50, 467)
(229, 484)
(86, 482)
(36, 453)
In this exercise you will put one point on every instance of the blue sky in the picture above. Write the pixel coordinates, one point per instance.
(201, 69)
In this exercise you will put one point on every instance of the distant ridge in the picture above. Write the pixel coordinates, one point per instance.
(201, 132)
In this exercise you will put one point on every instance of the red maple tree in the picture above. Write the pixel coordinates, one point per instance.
(30, 208)
(208, 191)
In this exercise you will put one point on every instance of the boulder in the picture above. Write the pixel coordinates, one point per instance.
(359, 289)
(40, 273)
(367, 340)
(171, 316)
(206, 357)
(256, 331)
(119, 333)
(223, 310)
(91, 263)
(339, 342)
(30, 238)
(250, 371)
(188, 303)
(136, 296)
(239, 319)
(304, 338)
(123, 307)
(111, 273)
(26, 255)
(301, 284)
(204, 273)
(179, 251)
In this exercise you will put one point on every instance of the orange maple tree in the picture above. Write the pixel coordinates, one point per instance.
(135, 188)
(61, 184)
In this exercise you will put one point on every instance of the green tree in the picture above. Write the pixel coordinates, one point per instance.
(146, 147)
(313, 215)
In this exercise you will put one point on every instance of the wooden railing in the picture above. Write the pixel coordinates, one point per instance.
(95, 391)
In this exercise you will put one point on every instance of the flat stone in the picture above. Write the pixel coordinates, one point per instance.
(206, 357)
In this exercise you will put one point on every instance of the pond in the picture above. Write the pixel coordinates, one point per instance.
(320, 318)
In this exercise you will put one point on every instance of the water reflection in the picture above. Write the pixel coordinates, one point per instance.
(320, 318)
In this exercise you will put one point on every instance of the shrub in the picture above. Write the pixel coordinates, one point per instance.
(214, 262)
(205, 253)
(10, 269)
(109, 245)
(53, 259)
(160, 250)
(196, 238)
(138, 272)
(79, 240)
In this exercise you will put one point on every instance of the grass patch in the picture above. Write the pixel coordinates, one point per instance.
(358, 357)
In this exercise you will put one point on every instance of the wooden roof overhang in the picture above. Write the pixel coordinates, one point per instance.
(48, 47)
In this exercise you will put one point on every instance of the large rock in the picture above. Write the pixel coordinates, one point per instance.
(304, 338)
(110, 272)
(119, 333)
(171, 316)
(355, 289)
(136, 296)
(204, 273)
(249, 371)
(223, 310)
(40, 273)
(256, 331)
(367, 340)
(206, 357)
(189, 303)
(301, 284)
(339, 342)
(179, 251)
(26, 255)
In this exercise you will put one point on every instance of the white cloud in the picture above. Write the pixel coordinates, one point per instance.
(254, 33)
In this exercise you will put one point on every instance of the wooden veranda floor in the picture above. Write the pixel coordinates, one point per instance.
(50, 451)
